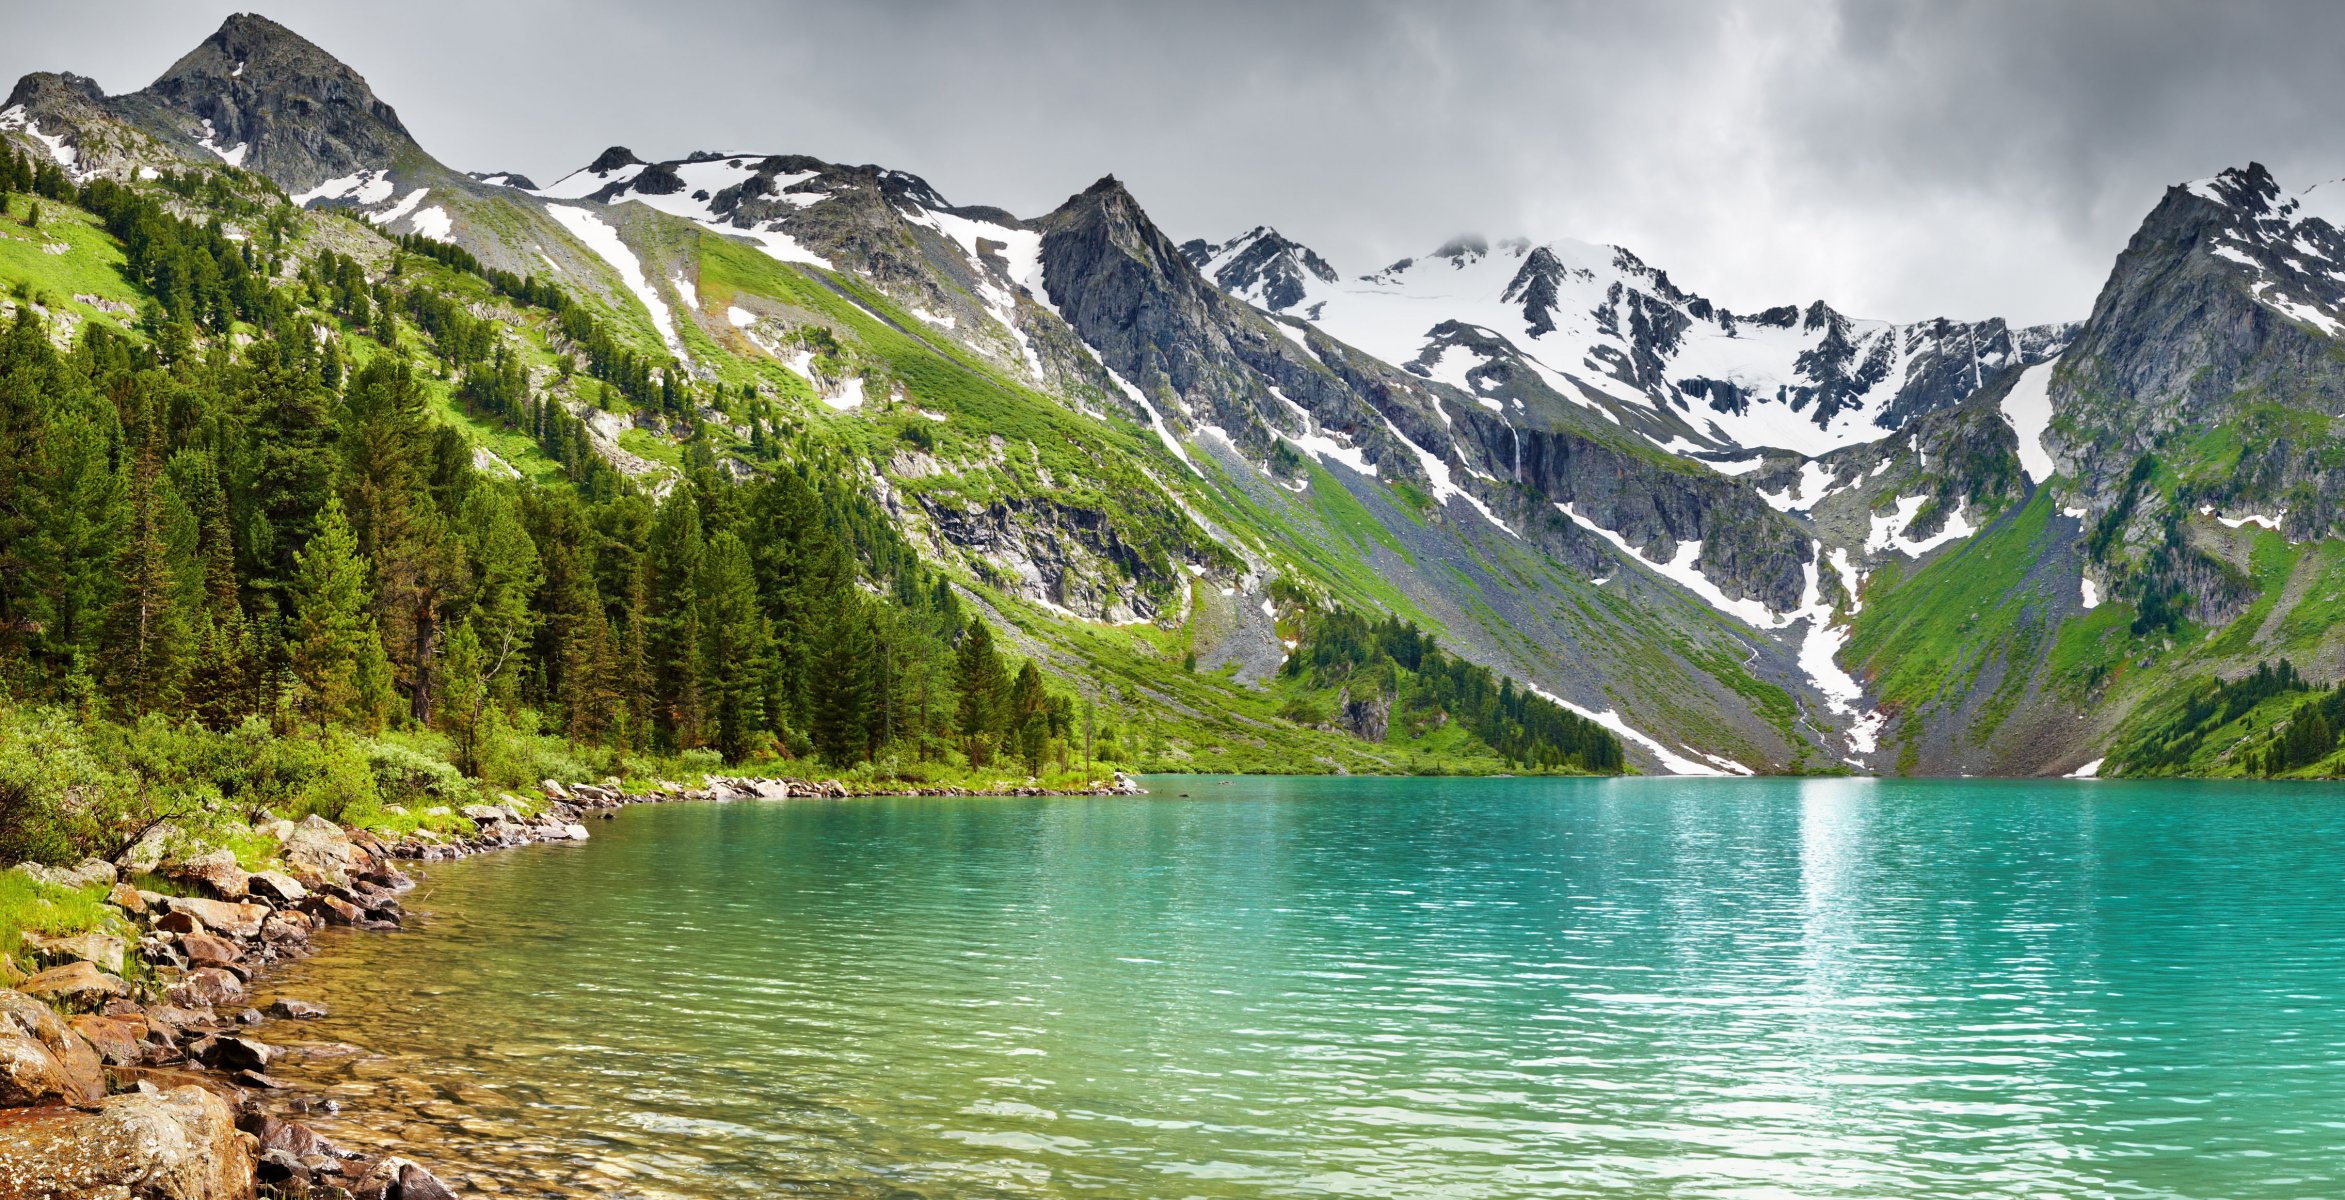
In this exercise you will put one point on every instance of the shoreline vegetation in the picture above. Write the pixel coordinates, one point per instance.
(130, 1061)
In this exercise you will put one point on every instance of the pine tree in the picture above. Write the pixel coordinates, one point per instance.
(464, 695)
(220, 671)
(1029, 717)
(736, 648)
(337, 655)
(148, 632)
(981, 687)
(671, 570)
(843, 685)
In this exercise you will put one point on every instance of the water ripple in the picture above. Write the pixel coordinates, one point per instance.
(1751, 989)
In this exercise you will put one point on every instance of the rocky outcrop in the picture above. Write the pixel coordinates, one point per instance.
(300, 115)
(41, 1060)
(1071, 557)
(181, 1144)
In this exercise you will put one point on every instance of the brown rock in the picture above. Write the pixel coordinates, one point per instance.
(43, 1061)
(277, 886)
(296, 1010)
(208, 987)
(218, 872)
(285, 927)
(317, 849)
(119, 1042)
(75, 985)
(204, 950)
(400, 1179)
(178, 922)
(177, 1145)
(222, 917)
(227, 1052)
(105, 951)
(128, 899)
(336, 912)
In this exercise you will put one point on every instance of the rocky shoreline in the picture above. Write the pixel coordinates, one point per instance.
(129, 1070)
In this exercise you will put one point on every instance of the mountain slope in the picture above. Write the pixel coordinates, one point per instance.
(1786, 540)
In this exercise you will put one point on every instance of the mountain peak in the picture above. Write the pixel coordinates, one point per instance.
(1261, 266)
(612, 159)
(263, 97)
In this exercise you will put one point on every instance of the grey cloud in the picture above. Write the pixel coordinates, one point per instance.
(1899, 160)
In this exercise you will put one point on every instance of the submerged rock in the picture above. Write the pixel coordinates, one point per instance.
(296, 1010)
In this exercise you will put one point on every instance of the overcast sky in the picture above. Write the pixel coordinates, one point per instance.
(1898, 160)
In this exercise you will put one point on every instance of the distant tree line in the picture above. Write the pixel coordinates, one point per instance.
(1393, 659)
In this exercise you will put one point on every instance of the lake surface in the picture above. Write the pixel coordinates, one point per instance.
(1416, 988)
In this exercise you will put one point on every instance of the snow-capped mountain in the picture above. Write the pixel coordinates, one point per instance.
(1603, 329)
(1262, 268)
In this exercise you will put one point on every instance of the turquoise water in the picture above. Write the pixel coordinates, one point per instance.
(1379, 988)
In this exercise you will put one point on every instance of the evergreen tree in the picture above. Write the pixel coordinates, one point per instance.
(337, 655)
(981, 687)
(843, 685)
(671, 629)
(1029, 717)
(736, 648)
(464, 695)
(148, 635)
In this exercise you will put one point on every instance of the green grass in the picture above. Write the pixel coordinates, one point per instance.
(27, 906)
(1922, 634)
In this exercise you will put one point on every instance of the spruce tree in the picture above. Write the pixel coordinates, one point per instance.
(1029, 717)
(148, 637)
(736, 648)
(671, 570)
(337, 654)
(981, 688)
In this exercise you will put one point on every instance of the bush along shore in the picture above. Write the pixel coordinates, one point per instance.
(133, 1067)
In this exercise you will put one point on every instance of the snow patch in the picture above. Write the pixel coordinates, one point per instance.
(365, 188)
(1683, 572)
(2090, 593)
(601, 238)
(1671, 761)
(13, 117)
(433, 223)
(849, 395)
(2091, 770)
(405, 206)
(2271, 523)
(685, 289)
(2028, 407)
(1886, 529)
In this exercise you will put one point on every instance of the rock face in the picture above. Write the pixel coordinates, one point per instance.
(301, 116)
(42, 1061)
(176, 1145)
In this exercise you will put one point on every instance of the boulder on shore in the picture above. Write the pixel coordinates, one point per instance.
(216, 872)
(75, 985)
(41, 1060)
(104, 950)
(177, 1145)
(400, 1179)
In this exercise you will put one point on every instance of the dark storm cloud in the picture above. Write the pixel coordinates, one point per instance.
(1900, 160)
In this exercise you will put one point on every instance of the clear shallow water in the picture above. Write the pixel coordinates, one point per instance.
(1378, 988)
